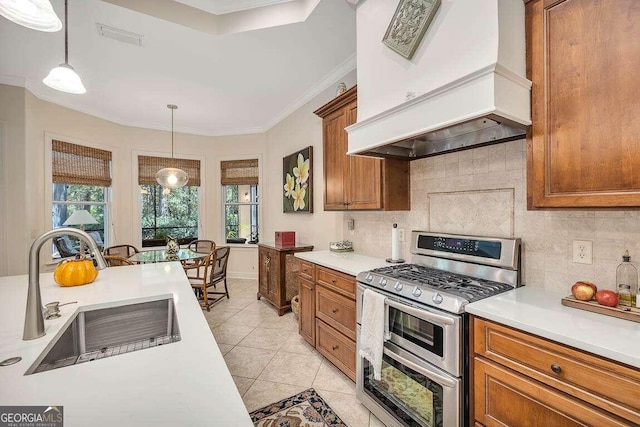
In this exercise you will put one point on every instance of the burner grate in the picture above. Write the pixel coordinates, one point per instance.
(470, 288)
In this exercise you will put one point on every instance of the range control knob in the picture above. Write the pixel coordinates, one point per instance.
(383, 282)
(369, 277)
(398, 286)
(416, 292)
(437, 298)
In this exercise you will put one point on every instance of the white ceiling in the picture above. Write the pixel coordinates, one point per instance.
(238, 82)
(219, 7)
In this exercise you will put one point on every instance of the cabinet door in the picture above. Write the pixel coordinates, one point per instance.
(505, 398)
(583, 149)
(307, 325)
(335, 160)
(263, 272)
(364, 175)
(273, 277)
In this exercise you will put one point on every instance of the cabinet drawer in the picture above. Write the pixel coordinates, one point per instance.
(337, 281)
(306, 270)
(605, 384)
(512, 399)
(340, 350)
(337, 311)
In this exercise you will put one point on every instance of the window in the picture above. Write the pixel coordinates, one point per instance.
(166, 212)
(81, 180)
(240, 200)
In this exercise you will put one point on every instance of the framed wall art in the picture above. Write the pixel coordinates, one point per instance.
(409, 24)
(297, 178)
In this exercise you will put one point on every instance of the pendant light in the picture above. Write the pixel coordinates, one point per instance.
(64, 78)
(35, 14)
(172, 177)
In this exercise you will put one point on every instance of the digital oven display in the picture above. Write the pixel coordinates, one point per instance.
(479, 248)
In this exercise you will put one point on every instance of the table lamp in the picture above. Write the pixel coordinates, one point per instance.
(81, 218)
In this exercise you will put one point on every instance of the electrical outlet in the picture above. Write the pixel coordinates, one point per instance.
(583, 251)
(401, 234)
(351, 224)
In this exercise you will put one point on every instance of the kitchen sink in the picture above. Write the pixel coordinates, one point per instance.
(108, 332)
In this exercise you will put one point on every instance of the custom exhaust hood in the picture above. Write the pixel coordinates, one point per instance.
(472, 77)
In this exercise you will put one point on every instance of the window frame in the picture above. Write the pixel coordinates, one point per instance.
(221, 197)
(137, 200)
(109, 202)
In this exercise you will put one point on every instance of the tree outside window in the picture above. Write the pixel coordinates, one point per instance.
(241, 213)
(168, 213)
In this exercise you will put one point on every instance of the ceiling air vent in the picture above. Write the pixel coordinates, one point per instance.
(120, 35)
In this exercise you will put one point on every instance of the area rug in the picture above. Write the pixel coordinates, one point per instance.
(305, 409)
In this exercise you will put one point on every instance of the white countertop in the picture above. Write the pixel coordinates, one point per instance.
(540, 312)
(346, 262)
(186, 383)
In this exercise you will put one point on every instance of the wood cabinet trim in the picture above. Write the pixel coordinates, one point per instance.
(337, 103)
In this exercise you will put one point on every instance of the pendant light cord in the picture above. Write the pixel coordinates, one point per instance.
(172, 133)
(66, 35)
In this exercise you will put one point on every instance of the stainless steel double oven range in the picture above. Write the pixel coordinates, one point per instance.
(424, 377)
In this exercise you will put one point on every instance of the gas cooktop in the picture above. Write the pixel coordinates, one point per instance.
(450, 271)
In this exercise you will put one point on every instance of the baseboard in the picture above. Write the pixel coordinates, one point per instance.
(242, 275)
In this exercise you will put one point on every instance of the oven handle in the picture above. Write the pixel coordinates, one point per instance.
(448, 382)
(420, 314)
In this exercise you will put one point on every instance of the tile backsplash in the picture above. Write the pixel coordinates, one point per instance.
(482, 191)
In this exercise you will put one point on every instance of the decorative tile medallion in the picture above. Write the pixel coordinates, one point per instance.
(409, 24)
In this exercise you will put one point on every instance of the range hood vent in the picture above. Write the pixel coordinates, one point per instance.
(474, 133)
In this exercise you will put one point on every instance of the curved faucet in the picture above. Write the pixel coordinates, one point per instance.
(34, 319)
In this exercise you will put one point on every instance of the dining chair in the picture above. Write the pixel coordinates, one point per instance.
(218, 271)
(203, 246)
(124, 251)
(198, 275)
(116, 261)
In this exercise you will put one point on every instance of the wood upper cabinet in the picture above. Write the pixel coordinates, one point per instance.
(356, 182)
(583, 149)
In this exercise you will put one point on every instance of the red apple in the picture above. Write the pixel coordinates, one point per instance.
(608, 298)
(583, 291)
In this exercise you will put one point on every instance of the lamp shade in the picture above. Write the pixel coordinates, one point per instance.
(35, 14)
(64, 78)
(172, 178)
(80, 217)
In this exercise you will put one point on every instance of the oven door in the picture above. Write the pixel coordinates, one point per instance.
(430, 334)
(410, 392)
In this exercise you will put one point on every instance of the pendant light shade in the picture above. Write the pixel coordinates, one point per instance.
(35, 14)
(172, 177)
(64, 78)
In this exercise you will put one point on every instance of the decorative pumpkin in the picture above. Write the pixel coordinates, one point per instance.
(75, 272)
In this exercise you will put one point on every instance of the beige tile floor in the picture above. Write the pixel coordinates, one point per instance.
(269, 361)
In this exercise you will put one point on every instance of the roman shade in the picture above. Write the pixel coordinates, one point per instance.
(77, 164)
(148, 166)
(239, 172)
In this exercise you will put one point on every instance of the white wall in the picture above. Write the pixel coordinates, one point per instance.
(297, 131)
(29, 121)
(385, 77)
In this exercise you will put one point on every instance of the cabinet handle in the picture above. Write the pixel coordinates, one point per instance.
(556, 368)
(334, 311)
(334, 348)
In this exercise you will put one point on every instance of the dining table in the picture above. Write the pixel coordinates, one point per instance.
(161, 255)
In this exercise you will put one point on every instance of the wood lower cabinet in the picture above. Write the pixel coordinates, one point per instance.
(328, 314)
(524, 380)
(356, 182)
(583, 149)
(277, 271)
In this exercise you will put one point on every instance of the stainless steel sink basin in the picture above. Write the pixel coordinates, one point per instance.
(108, 332)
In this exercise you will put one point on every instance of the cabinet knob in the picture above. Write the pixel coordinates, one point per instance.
(334, 348)
(334, 311)
(556, 368)
(333, 281)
